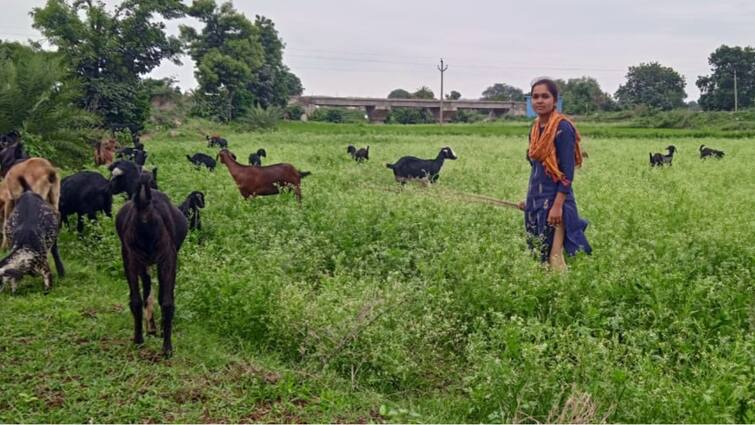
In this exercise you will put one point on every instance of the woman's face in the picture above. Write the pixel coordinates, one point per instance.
(542, 100)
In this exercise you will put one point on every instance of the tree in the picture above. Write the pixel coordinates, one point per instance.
(717, 90)
(109, 52)
(39, 98)
(454, 95)
(503, 92)
(399, 94)
(584, 95)
(652, 85)
(239, 63)
(423, 92)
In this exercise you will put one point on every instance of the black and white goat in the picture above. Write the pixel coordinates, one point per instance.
(125, 177)
(33, 231)
(85, 194)
(359, 155)
(151, 231)
(9, 138)
(255, 158)
(710, 153)
(200, 159)
(412, 168)
(190, 208)
(658, 160)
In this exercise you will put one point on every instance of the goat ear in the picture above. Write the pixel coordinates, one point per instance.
(143, 196)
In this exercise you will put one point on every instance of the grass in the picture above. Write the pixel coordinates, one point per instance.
(366, 305)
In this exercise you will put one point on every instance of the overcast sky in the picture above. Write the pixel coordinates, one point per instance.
(368, 48)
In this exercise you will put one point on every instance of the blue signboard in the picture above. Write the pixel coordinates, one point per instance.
(531, 112)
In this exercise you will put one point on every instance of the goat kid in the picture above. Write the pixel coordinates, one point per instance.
(199, 159)
(255, 158)
(359, 155)
(262, 181)
(33, 232)
(428, 170)
(151, 231)
(658, 160)
(710, 153)
(190, 209)
(216, 141)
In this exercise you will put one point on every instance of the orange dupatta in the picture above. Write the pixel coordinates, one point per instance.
(543, 146)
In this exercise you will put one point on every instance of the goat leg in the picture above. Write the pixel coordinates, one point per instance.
(44, 269)
(149, 302)
(167, 277)
(135, 299)
(58, 262)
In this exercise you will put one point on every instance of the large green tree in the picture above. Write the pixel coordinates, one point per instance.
(503, 92)
(584, 95)
(239, 63)
(110, 51)
(652, 85)
(717, 90)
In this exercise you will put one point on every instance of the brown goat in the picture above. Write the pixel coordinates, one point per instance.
(261, 181)
(104, 152)
(42, 178)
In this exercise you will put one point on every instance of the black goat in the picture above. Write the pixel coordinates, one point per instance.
(138, 155)
(190, 208)
(710, 153)
(658, 160)
(410, 168)
(9, 138)
(85, 194)
(217, 141)
(200, 159)
(33, 231)
(254, 158)
(359, 155)
(11, 156)
(151, 231)
(124, 177)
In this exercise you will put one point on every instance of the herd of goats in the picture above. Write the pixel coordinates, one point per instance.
(34, 202)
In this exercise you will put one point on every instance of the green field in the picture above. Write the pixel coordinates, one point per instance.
(367, 304)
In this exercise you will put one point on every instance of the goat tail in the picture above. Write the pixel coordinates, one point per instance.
(189, 158)
(24, 184)
(389, 165)
(303, 174)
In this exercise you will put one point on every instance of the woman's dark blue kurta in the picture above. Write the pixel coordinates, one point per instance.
(541, 194)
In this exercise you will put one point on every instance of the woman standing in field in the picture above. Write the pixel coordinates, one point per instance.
(550, 212)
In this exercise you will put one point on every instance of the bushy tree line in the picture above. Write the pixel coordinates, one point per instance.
(109, 51)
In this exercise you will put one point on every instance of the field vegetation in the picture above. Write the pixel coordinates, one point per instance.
(374, 304)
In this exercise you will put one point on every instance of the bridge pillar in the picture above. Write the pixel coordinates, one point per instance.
(448, 114)
(494, 114)
(377, 114)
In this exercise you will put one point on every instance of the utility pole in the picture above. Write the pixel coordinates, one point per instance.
(442, 69)
(736, 103)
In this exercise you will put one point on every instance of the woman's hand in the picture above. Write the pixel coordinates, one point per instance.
(555, 215)
(521, 205)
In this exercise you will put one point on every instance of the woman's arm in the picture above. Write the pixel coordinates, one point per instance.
(565, 145)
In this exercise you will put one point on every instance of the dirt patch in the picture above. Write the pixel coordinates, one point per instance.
(90, 313)
(246, 369)
(189, 395)
(52, 398)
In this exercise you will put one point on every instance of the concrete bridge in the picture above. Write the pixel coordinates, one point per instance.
(377, 109)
